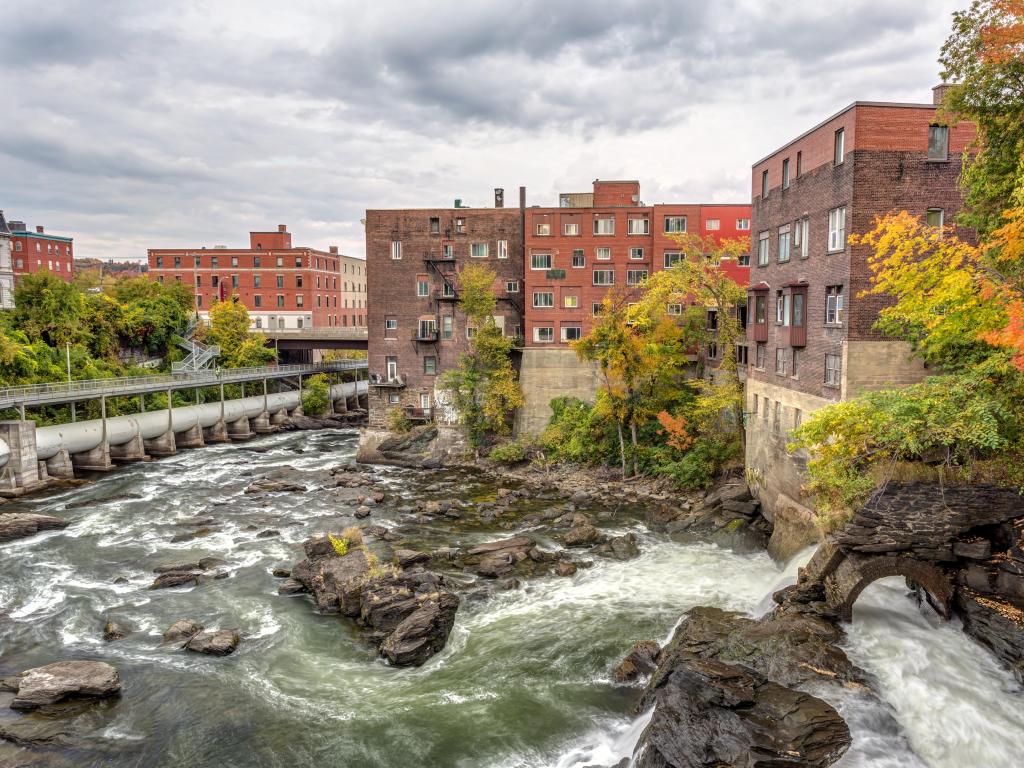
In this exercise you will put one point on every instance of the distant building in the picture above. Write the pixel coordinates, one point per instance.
(417, 329)
(810, 332)
(40, 251)
(282, 286)
(6, 265)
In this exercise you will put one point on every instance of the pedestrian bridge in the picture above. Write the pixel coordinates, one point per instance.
(290, 339)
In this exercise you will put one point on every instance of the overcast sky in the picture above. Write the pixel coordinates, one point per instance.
(132, 125)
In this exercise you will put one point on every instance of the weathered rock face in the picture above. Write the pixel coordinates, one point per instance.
(642, 660)
(996, 624)
(709, 713)
(114, 629)
(66, 680)
(221, 642)
(18, 525)
(182, 631)
(170, 579)
(423, 632)
(729, 516)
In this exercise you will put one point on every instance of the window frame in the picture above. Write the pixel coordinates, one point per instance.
(533, 257)
(837, 229)
(944, 130)
(839, 147)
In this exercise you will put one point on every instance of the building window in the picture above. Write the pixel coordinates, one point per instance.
(839, 150)
(764, 183)
(673, 309)
(638, 227)
(447, 251)
(938, 142)
(713, 225)
(159, 260)
(540, 261)
(760, 355)
(422, 287)
(604, 254)
(671, 258)
(544, 334)
(834, 305)
(798, 309)
(543, 299)
(478, 250)
(430, 365)
(571, 228)
(512, 286)
(280, 259)
(741, 355)
(712, 350)
(280, 281)
(778, 308)
(257, 300)
(394, 399)
(215, 281)
(799, 164)
(299, 300)
(435, 225)
(17, 247)
(933, 217)
(503, 249)
(784, 238)
(447, 327)
(298, 262)
(675, 223)
(635, 276)
(571, 333)
(636, 254)
(256, 261)
(777, 416)
(785, 173)
(234, 281)
(837, 229)
(604, 225)
(177, 262)
(543, 228)
(796, 365)
(460, 225)
(596, 308)
(780, 361)
(280, 300)
(762, 249)
(199, 299)
(742, 224)
(298, 281)
(801, 236)
(160, 279)
(833, 370)
(753, 408)
(604, 277)
(390, 323)
(571, 302)
(712, 320)
(579, 259)
(199, 281)
(396, 250)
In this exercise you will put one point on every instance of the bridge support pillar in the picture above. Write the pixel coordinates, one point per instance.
(364, 401)
(60, 466)
(218, 433)
(164, 445)
(352, 402)
(239, 429)
(190, 438)
(279, 417)
(133, 450)
(261, 424)
(96, 460)
(340, 405)
(21, 474)
(297, 411)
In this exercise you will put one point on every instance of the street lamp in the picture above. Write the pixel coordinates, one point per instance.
(67, 357)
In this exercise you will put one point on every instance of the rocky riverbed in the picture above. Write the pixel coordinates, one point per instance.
(479, 621)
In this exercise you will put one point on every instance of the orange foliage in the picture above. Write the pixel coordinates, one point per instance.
(1007, 247)
(675, 427)
(1003, 40)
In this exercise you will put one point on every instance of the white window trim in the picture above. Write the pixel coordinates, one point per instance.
(644, 230)
(473, 247)
(536, 334)
(540, 269)
(543, 293)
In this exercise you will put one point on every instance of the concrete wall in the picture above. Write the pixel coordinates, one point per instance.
(549, 373)
(869, 366)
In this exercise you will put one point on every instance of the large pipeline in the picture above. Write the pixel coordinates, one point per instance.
(82, 436)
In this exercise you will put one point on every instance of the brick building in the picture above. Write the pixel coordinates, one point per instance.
(810, 333)
(36, 251)
(282, 286)
(595, 241)
(416, 329)
(6, 265)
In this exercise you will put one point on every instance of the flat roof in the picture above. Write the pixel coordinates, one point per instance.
(40, 235)
(843, 111)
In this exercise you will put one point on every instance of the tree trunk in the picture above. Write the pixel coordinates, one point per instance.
(622, 448)
(632, 437)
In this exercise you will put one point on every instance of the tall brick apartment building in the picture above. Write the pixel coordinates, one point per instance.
(416, 329)
(281, 285)
(595, 241)
(38, 251)
(810, 334)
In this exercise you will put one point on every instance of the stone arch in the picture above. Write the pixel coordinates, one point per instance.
(856, 573)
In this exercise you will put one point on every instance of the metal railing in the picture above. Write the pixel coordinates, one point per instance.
(86, 389)
(345, 332)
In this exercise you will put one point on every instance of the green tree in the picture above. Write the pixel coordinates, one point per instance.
(316, 395)
(49, 309)
(229, 329)
(483, 386)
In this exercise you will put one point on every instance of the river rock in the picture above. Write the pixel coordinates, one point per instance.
(175, 579)
(281, 572)
(66, 680)
(565, 568)
(115, 630)
(333, 580)
(582, 536)
(219, 642)
(275, 486)
(996, 624)
(18, 525)
(709, 713)
(621, 547)
(291, 587)
(423, 633)
(362, 512)
(409, 557)
(198, 533)
(182, 630)
(642, 660)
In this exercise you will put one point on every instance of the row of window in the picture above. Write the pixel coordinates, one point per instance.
(51, 248)
(789, 307)
(604, 224)
(476, 250)
(764, 408)
(545, 261)
(53, 266)
(545, 334)
(257, 263)
(788, 363)
(427, 329)
(332, 320)
(938, 149)
(257, 282)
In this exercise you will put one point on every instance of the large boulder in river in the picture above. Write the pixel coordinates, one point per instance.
(218, 642)
(423, 632)
(333, 580)
(182, 631)
(18, 525)
(66, 680)
(709, 713)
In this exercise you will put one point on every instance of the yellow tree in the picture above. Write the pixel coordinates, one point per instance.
(229, 329)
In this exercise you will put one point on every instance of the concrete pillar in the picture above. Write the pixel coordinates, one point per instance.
(261, 424)
(297, 410)
(60, 466)
(239, 429)
(279, 417)
(364, 401)
(96, 460)
(340, 405)
(133, 450)
(44, 476)
(352, 402)
(190, 438)
(218, 433)
(21, 474)
(164, 445)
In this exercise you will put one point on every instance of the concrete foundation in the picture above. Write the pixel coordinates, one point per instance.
(133, 450)
(297, 411)
(21, 474)
(261, 424)
(96, 460)
(60, 466)
(549, 373)
(190, 438)
(279, 417)
(164, 445)
(239, 429)
(218, 433)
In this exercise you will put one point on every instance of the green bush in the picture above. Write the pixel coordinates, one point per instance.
(397, 421)
(700, 465)
(576, 434)
(513, 452)
(316, 395)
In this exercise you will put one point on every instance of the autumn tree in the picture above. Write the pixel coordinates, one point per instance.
(229, 329)
(483, 386)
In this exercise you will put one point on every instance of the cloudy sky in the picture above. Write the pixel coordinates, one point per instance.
(130, 125)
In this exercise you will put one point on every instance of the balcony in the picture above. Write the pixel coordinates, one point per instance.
(380, 380)
(757, 312)
(425, 335)
(419, 414)
(442, 296)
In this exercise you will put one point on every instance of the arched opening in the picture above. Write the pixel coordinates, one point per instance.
(930, 578)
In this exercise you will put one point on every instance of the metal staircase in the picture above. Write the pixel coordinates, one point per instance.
(200, 356)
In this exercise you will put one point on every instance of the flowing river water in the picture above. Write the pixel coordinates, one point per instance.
(524, 680)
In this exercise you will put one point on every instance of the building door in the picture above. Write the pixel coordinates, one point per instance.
(425, 404)
(392, 368)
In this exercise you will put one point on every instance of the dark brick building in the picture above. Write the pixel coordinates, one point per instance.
(416, 328)
(810, 335)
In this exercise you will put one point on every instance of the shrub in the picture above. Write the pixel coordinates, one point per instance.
(340, 544)
(316, 395)
(699, 467)
(513, 452)
(397, 421)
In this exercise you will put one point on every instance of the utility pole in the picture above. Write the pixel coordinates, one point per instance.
(67, 357)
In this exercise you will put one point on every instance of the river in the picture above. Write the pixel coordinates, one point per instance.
(524, 680)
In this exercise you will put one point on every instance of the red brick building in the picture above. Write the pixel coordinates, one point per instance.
(38, 251)
(416, 327)
(282, 286)
(810, 333)
(607, 238)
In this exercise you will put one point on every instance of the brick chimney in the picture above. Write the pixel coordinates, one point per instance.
(939, 93)
(499, 197)
(334, 249)
(39, 230)
(282, 227)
